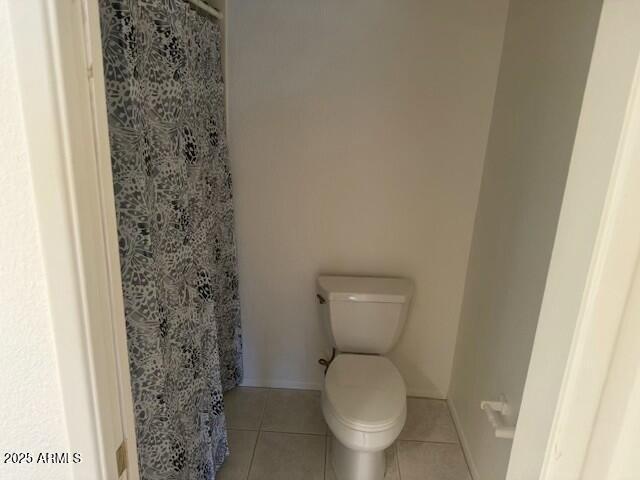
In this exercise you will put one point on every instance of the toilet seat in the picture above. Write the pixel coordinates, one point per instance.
(365, 393)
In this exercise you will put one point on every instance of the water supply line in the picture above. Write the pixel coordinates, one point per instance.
(325, 363)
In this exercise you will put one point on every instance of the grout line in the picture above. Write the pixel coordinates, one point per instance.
(435, 442)
(397, 447)
(277, 431)
(324, 463)
(244, 429)
(314, 435)
(253, 454)
(294, 433)
(255, 446)
(264, 408)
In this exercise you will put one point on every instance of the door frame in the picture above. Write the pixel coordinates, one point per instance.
(597, 339)
(604, 319)
(58, 55)
(592, 265)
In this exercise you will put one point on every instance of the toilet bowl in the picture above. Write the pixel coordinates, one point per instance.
(364, 405)
(364, 399)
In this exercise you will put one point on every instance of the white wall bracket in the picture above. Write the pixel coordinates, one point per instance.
(496, 412)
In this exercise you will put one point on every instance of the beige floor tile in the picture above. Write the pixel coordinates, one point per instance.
(391, 457)
(286, 456)
(244, 407)
(241, 445)
(294, 411)
(428, 420)
(431, 461)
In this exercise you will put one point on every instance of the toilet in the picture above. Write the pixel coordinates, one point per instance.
(364, 399)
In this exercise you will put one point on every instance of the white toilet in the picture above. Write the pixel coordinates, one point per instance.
(364, 397)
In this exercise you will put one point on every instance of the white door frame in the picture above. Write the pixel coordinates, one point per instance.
(596, 342)
(58, 53)
(592, 265)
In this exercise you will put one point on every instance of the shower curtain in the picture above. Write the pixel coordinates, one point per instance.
(172, 184)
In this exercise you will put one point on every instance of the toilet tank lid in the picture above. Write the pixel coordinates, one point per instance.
(365, 289)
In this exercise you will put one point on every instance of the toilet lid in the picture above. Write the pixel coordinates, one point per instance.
(366, 392)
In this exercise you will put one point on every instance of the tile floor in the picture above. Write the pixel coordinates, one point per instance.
(277, 434)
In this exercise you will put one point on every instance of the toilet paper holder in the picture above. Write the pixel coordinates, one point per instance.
(496, 412)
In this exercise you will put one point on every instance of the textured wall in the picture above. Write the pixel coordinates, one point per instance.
(357, 132)
(546, 56)
(31, 417)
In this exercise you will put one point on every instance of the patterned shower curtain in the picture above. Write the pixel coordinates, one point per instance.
(165, 99)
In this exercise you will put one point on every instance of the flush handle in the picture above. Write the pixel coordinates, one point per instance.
(321, 299)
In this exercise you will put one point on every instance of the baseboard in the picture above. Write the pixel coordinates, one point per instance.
(271, 383)
(276, 383)
(463, 441)
(424, 393)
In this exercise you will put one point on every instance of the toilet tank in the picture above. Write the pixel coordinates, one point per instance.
(364, 314)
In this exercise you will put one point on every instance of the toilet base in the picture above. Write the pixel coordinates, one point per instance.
(351, 464)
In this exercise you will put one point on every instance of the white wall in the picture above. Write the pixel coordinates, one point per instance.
(31, 417)
(546, 55)
(357, 134)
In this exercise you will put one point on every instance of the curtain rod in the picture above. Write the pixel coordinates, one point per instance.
(206, 8)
